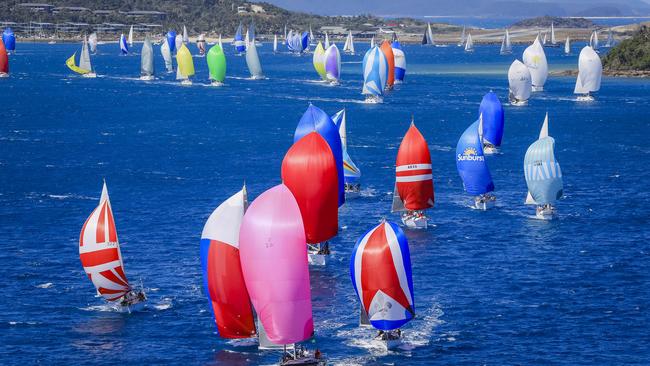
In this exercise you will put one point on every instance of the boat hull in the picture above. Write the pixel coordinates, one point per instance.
(585, 98)
(374, 99)
(491, 150)
(352, 194)
(483, 205)
(413, 222)
(538, 88)
(317, 259)
(147, 77)
(90, 75)
(216, 83)
(4, 75)
(186, 82)
(518, 103)
(545, 214)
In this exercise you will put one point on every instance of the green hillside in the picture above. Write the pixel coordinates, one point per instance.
(631, 54)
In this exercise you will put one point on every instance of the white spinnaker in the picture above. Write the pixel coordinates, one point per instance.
(590, 71)
(519, 80)
(224, 222)
(535, 59)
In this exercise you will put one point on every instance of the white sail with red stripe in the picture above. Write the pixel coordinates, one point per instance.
(413, 174)
(99, 251)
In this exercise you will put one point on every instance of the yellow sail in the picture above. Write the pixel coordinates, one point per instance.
(319, 61)
(185, 62)
(72, 66)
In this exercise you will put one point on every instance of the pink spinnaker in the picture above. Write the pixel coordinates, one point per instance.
(273, 254)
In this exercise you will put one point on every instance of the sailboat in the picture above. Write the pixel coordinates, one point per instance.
(167, 55)
(427, 38)
(520, 84)
(9, 39)
(567, 46)
(332, 65)
(554, 42)
(535, 59)
(349, 44)
(318, 59)
(130, 39)
(311, 37)
(472, 167)
(543, 174)
(387, 50)
(413, 191)
(610, 39)
(506, 45)
(186, 38)
(375, 73)
(327, 41)
(146, 60)
(315, 119)
(380, 270)
(590, 72)
(284, 40)
(124, 48)
(200, 44)
(171, 40)
(400, 62)
(217, 65)
(223, 280)
(275, 43)
(351, 173)
(593, 41)
(101, 258)
(253, 61)
(271, 237)
(85, 68)
(309, 170)
(469, 43)
(92, 42)
(4, 60)
(462, 38)
(492, 121)
(185, 67)
(240, 45)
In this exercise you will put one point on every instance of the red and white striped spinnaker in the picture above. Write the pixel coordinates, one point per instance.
(99, 251)
(413, 175)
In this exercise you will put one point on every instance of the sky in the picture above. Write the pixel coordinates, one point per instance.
(468, 7)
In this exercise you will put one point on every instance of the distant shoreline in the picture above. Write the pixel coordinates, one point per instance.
(610, 73)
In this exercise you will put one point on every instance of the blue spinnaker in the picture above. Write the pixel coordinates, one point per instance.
(171, 40)
(315, 119)
(305, 40)
(492, 111)
(471, 163)
(9, 39)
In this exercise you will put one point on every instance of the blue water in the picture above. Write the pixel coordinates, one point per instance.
(493, 287)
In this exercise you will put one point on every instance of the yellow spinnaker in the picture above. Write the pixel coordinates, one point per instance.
(185, 62)
(72, 66)
(319, 61)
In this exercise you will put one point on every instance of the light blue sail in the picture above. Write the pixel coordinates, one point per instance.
(542, 171)
(492, 112)
(471, 163)
(315, 119)
(375, 72)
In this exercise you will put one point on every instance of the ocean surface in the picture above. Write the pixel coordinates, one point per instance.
(496, 287)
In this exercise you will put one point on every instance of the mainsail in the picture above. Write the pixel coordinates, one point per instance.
(167, 55)
(130, 39)
(400, 61)
(253, 61)
(99, 251)
(506, 45)
(541, 170)
(186, 38)
(471, 164)
(146, 59)
(553, 39)
(413, 174)
(590, 71)
(216, 63)
(92, 42)
(567, 46)
(519, 80)
(274, 263)
(223, 280)
(327, 41)
(275, 43)
(469, 43)
(349, 44)
(84, 58)
(380, 269)
(375, 72)
(462, 38)
(427, 38)
(593, 40)
(535, 59)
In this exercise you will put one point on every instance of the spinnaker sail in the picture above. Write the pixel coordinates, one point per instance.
(520, 83)
(319, 61)
(471, 164)
(4, 59)
(9, 39)
(542, 171)
(400, 61)
(216, 63)
(185, 63)
(253, 61)
(590, 71)
(535, 59)
(375, 72)
(413, 173)
(387, 50)
(491, 110)
(124, 48)
(333, 64)
(240, 45)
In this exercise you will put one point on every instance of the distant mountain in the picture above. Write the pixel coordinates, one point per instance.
(489, 8)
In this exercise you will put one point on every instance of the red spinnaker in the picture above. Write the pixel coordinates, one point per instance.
(309, 171)
(413, 171)
(4, 59)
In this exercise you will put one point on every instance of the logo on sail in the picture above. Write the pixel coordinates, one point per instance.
(470, 154)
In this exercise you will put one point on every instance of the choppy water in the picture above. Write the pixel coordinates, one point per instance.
(491, 287)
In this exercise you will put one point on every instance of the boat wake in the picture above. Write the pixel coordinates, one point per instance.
(164, 304)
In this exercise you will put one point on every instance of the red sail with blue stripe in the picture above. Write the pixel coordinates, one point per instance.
(380, 268)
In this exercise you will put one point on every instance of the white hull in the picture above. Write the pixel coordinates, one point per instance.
(585, 98)
(90, 75)
(538, 88)
(484, 205)
(545, 214)
(317, 254)
(317, 259)
(186, 82)
(519, 103)
(373, 99)
(216, 83)
(491, 150)
(4, 75)
(130, 308)
(391, 343)
(257, 77)
(147, 77)
(415, 222)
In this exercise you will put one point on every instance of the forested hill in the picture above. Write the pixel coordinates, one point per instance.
(631, 54)
(198, 15)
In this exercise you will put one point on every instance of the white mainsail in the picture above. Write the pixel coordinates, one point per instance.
(84, 58)
(275, 43)
(130, 39)
(372, 42)
(349, 44)
(167, 55)
(593, 40)
(590, 71)
(506, 45)
(469, 44)
(567, 46)
(186, 38)
(327, 41)
(535, 59)
(220, 43)
(253, 61)
(553, 40)
(92, 42)
(462, 38)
